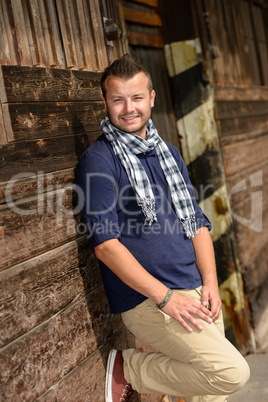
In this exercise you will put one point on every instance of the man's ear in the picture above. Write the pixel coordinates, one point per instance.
(152, 97)
(104, 101)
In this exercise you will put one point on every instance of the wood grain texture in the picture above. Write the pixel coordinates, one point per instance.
(47, 155)
(34, 290)
(86, 381)
(28, 186)
(51, 119)
(60, 344)
(35, 225)
(141, 17)
(33, 84)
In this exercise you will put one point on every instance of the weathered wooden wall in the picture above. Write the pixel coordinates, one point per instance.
(55, 323)
(56, 329)
(60, 33)
(243, 118)
(235, 47)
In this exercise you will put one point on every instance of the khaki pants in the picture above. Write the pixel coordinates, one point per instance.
(199, 366)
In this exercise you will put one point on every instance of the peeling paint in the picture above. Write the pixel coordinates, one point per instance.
(187, 55)
(220, 222)
(198, 130)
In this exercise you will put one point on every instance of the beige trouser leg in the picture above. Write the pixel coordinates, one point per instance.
(200, 366)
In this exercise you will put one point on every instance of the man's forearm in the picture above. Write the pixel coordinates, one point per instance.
(119, 259)
(205, 261)
(205, 257)
(123, 264)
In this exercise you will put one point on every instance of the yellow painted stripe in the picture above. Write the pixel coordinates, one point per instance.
(181, 56)
(198, 130)
(221, 220)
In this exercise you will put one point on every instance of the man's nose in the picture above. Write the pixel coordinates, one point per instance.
(129, 106)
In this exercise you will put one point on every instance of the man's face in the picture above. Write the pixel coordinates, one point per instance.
(128, 103)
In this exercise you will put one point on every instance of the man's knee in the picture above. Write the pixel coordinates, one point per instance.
(234, 377)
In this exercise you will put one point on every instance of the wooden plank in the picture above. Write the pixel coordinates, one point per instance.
(86, 381)
(78, 43)
(142, 39)
(229, 93)
(21, 33)
(51, 119)
(7, 53)
(54, 348)
(249, 242)
(242, 155)
(50, 155)
(51, 33)
(10, 48)
(239, 178)
(32, 84)
(150, 3)
(239, 109)
(27, 186)
(98, 31)
(86, 35)
(35, 290)
(3, 134)
(67, 33)
(34, 225)
(35, 34)
(141, 17)
(244, 127)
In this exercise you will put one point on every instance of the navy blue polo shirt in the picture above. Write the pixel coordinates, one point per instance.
(110, 210)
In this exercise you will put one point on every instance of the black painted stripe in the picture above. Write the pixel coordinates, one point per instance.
(205, 173)
(190, 89)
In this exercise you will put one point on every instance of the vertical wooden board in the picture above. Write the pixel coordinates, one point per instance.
(5, 56)
(88, 35)
(77, 33)
(10, 48)
(21, 33)
(32, 21)
(7, 123)
(84, 37)
(52, 33)
(37, 19)
(99, 35)
(217, 64)
(245, 73)
(66, 33)
(3, 135)
(34, 362)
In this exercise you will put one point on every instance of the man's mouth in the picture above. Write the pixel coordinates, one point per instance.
(129, 118)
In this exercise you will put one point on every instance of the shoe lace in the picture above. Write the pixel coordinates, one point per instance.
(126, 394)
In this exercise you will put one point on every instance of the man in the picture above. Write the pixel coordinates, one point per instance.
(155, 252)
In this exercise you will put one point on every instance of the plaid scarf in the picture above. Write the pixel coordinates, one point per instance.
(125, 147)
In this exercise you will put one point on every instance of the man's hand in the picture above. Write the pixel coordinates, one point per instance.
(211, 298)
(183, 308)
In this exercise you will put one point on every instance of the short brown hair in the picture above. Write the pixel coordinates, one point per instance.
(125, 67)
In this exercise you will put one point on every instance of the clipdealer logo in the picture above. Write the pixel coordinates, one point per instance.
(255, 219)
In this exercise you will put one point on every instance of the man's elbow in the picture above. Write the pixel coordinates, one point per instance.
(105, 248)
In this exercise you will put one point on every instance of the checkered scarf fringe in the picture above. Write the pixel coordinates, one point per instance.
(125, 147)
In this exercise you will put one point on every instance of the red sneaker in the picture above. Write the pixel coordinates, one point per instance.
(117, 389)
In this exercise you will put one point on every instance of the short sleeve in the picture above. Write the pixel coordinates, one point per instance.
(97, 189)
